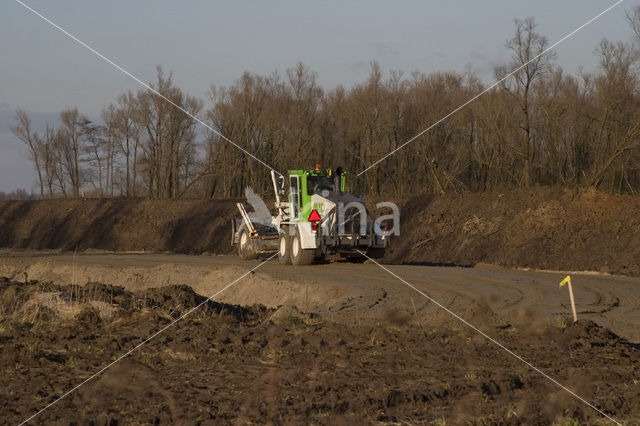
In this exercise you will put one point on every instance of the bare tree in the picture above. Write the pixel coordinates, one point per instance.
(97, 150)
(619, 113)
(633, 18)
(123, 134)
(530, 60)
(50, 157)
(35, 144)
(170, 136)
(239, 113)
(73, 122)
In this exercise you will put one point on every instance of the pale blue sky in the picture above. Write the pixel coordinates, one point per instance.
(204, 42)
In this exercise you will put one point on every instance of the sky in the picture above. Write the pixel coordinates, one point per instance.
(208, 42)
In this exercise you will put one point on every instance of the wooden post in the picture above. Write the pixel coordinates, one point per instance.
(567, 280)
(573, 303)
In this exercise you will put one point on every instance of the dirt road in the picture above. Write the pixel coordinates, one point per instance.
(352, 293)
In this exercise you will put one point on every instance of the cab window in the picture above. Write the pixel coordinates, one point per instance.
(317, 184)
(294, 195)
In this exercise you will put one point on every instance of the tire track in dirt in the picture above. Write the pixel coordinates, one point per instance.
(346, 292)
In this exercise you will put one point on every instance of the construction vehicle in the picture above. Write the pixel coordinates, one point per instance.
(317, 219)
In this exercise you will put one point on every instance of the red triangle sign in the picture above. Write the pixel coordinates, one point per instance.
(314, 216)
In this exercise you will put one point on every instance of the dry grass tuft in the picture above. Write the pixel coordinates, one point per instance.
(51, 306)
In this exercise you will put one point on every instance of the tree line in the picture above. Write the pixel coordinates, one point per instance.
(539, 126)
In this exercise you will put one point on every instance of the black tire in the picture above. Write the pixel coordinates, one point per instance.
(376, 252)
(357, 259)
(300, 256)
(246, 247)
(284, 247)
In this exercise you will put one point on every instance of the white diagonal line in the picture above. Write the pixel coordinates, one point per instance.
(148, 87)
(94, 375)
(492, 340)
(571, 34)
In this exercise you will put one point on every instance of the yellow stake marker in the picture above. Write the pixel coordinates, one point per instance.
(566, 280)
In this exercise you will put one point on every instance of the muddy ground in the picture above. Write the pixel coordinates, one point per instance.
(230, 364)
(332, 343)
(542, 228)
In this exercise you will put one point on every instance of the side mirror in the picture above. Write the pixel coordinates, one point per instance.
(337, 180)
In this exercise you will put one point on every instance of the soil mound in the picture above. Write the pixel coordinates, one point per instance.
(214, 367)
(542, 228)
(181, 226)
(46, 302)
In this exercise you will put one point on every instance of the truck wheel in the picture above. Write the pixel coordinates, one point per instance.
(246, 248)
(376, 252)
(300, 256)
(284, 247)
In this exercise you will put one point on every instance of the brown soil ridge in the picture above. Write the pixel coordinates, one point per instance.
(542, 228)
(180, 226)
(555, 228)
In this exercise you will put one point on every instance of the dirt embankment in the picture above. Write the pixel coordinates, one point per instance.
(189, 226)
(544, 228)
(230, 364)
